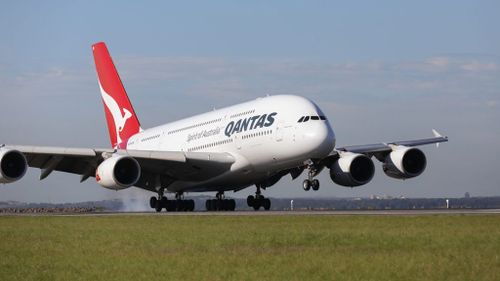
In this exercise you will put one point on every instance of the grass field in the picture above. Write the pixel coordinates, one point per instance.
(250, 248)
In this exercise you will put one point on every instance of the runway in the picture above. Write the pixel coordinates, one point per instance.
(280, 213)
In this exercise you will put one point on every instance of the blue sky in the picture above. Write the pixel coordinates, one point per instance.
(381, 71)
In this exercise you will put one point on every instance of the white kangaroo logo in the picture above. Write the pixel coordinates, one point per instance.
(114, 108)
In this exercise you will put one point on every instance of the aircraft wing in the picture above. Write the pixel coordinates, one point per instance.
(380, 150)
(168, 166)
(371, 149)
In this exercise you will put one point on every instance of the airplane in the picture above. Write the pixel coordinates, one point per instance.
(255, 143)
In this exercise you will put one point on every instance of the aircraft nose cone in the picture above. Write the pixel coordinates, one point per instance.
(320, 138)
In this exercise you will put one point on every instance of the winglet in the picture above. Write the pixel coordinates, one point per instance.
(436, 135)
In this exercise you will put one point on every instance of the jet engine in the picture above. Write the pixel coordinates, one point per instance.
(352, 169)
(118, 172)
(404, 162)
(13, 165)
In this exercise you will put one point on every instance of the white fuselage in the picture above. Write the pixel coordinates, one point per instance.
(264, 136)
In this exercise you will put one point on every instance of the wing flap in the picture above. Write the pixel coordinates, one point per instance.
(163, 166)
(186, 166)
(49, 150)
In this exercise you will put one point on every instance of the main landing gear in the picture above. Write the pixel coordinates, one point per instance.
(311, 182)
(258, 201)
(177, 205)
(220, 204)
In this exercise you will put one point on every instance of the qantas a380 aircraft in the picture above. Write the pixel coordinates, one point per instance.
(255, 143)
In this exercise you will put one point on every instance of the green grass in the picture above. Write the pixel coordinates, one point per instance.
(250, 248)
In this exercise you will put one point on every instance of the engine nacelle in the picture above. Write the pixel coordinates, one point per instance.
(352, 169)
(404, 162)
(118, 172)
(13, 165)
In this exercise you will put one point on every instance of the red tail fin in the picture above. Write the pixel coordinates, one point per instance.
(120, 115)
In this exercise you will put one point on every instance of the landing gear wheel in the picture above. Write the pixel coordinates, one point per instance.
(315, 184)
(220, 205)
(266, 203)
(171, 206)
(231, 205)
(164, 202)
(250, 200)
(152, 202)
(258, 201)
(256, 205)
(158, 206)
(190, 205)
(210, 204)
(306, 185)
(179, 206)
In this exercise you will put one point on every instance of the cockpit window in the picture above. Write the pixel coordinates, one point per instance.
(314, 117)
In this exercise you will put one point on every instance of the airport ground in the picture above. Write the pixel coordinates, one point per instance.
(252, 246)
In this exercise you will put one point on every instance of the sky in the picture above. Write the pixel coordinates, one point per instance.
(380, 70)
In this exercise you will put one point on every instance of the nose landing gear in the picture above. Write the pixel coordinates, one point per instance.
(311, 182)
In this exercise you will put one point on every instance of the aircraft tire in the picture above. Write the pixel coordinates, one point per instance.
(306, 185)
(152, 202)
(232, 205)
(250, 200)
(171, 206)
(179, 205)
(315, 184)
(209, 204)
(266, 203)
(158, 206)
(164, 202)
(191, 205)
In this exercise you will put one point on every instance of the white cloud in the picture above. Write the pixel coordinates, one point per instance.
(477, 66)
(492, 104)
(440, 62)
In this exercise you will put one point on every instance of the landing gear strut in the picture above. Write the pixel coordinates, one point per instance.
(177, 205)
(220, 204)
(258, 201)
(311, 182)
